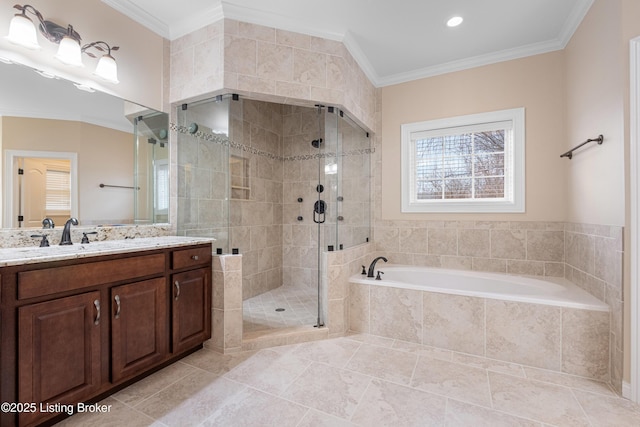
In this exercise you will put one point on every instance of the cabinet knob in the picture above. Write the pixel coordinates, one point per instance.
(96, 303)
(177, 285)
(117, 298)
(194, 257)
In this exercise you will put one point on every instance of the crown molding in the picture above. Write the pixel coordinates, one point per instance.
(268, 19)
(573, 21)
(467, 63)
(202, 19)
(274, 20)
(140, 16)
(358, 55)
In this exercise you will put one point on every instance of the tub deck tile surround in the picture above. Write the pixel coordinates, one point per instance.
(589, 255)
(349, 381)
(529, 334)
(574, 341)
(453, 320)
(397, 313)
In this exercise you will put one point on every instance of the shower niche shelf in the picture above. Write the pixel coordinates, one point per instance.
(240, 178)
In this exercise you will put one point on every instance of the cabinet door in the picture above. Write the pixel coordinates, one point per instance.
(59, 351)
(191, 309)
(139, 333)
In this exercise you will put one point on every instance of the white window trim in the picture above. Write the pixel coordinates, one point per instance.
(516, 204)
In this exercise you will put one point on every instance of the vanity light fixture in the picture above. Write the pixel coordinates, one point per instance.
(22, 32)
(455, 21)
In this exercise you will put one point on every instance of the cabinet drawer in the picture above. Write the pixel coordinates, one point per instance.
(49, 281)
(190, 257)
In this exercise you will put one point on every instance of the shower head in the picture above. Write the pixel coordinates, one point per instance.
(316, 143)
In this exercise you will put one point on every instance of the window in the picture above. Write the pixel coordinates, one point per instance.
(161, 200)
(58, 191)
(471, 163)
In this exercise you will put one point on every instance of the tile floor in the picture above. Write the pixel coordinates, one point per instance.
(359, 380)
(300, 308)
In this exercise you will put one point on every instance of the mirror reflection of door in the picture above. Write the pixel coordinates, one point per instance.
(44, 190)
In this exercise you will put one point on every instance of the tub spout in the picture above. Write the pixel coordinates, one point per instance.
(373, 265)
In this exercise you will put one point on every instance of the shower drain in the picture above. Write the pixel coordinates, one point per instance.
(279, 309)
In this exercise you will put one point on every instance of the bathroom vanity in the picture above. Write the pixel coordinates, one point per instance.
(79, 322)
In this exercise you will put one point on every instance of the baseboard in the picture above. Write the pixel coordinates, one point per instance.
(626, 390)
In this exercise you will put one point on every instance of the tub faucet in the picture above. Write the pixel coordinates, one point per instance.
(48, 223)
(66, 233)
(373, 265)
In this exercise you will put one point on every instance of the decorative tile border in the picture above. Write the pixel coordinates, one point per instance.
(223, 140)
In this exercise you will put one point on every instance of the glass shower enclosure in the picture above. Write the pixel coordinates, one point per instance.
(151, 163)
(280, 184)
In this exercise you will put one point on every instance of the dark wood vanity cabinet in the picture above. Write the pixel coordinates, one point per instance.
(59, 351)
(76, 330)
(191, 322)
(139, 327)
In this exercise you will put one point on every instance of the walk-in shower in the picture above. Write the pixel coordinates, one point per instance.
(281, 184)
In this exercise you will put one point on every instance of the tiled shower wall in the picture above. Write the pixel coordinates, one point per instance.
(255, 221)
(300, 247)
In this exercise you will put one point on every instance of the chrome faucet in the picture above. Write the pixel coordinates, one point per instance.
(66, 233)
(373, 265)
(48, 223)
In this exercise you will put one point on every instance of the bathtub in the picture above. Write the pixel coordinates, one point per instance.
(550, 324)
(555, 291)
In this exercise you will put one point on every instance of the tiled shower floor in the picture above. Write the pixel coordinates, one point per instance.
(299, 303)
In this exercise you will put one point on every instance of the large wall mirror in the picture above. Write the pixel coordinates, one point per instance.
(67, 152)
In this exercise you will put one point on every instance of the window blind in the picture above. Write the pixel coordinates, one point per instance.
(58, 190)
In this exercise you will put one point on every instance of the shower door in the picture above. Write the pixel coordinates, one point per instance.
(322, 206)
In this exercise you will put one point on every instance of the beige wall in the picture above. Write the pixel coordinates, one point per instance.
(140, 58)
(535, 83)
(104, 156)
(595, 87)
(597, 70)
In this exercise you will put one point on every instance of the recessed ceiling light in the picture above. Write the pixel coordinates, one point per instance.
(455, 21)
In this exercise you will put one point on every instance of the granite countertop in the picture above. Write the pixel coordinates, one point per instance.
(32, 255)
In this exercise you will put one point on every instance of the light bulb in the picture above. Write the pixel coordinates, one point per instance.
(107, 69)
(69, 52)
(23, 33)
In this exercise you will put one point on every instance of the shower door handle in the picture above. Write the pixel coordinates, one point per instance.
(319, 208)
